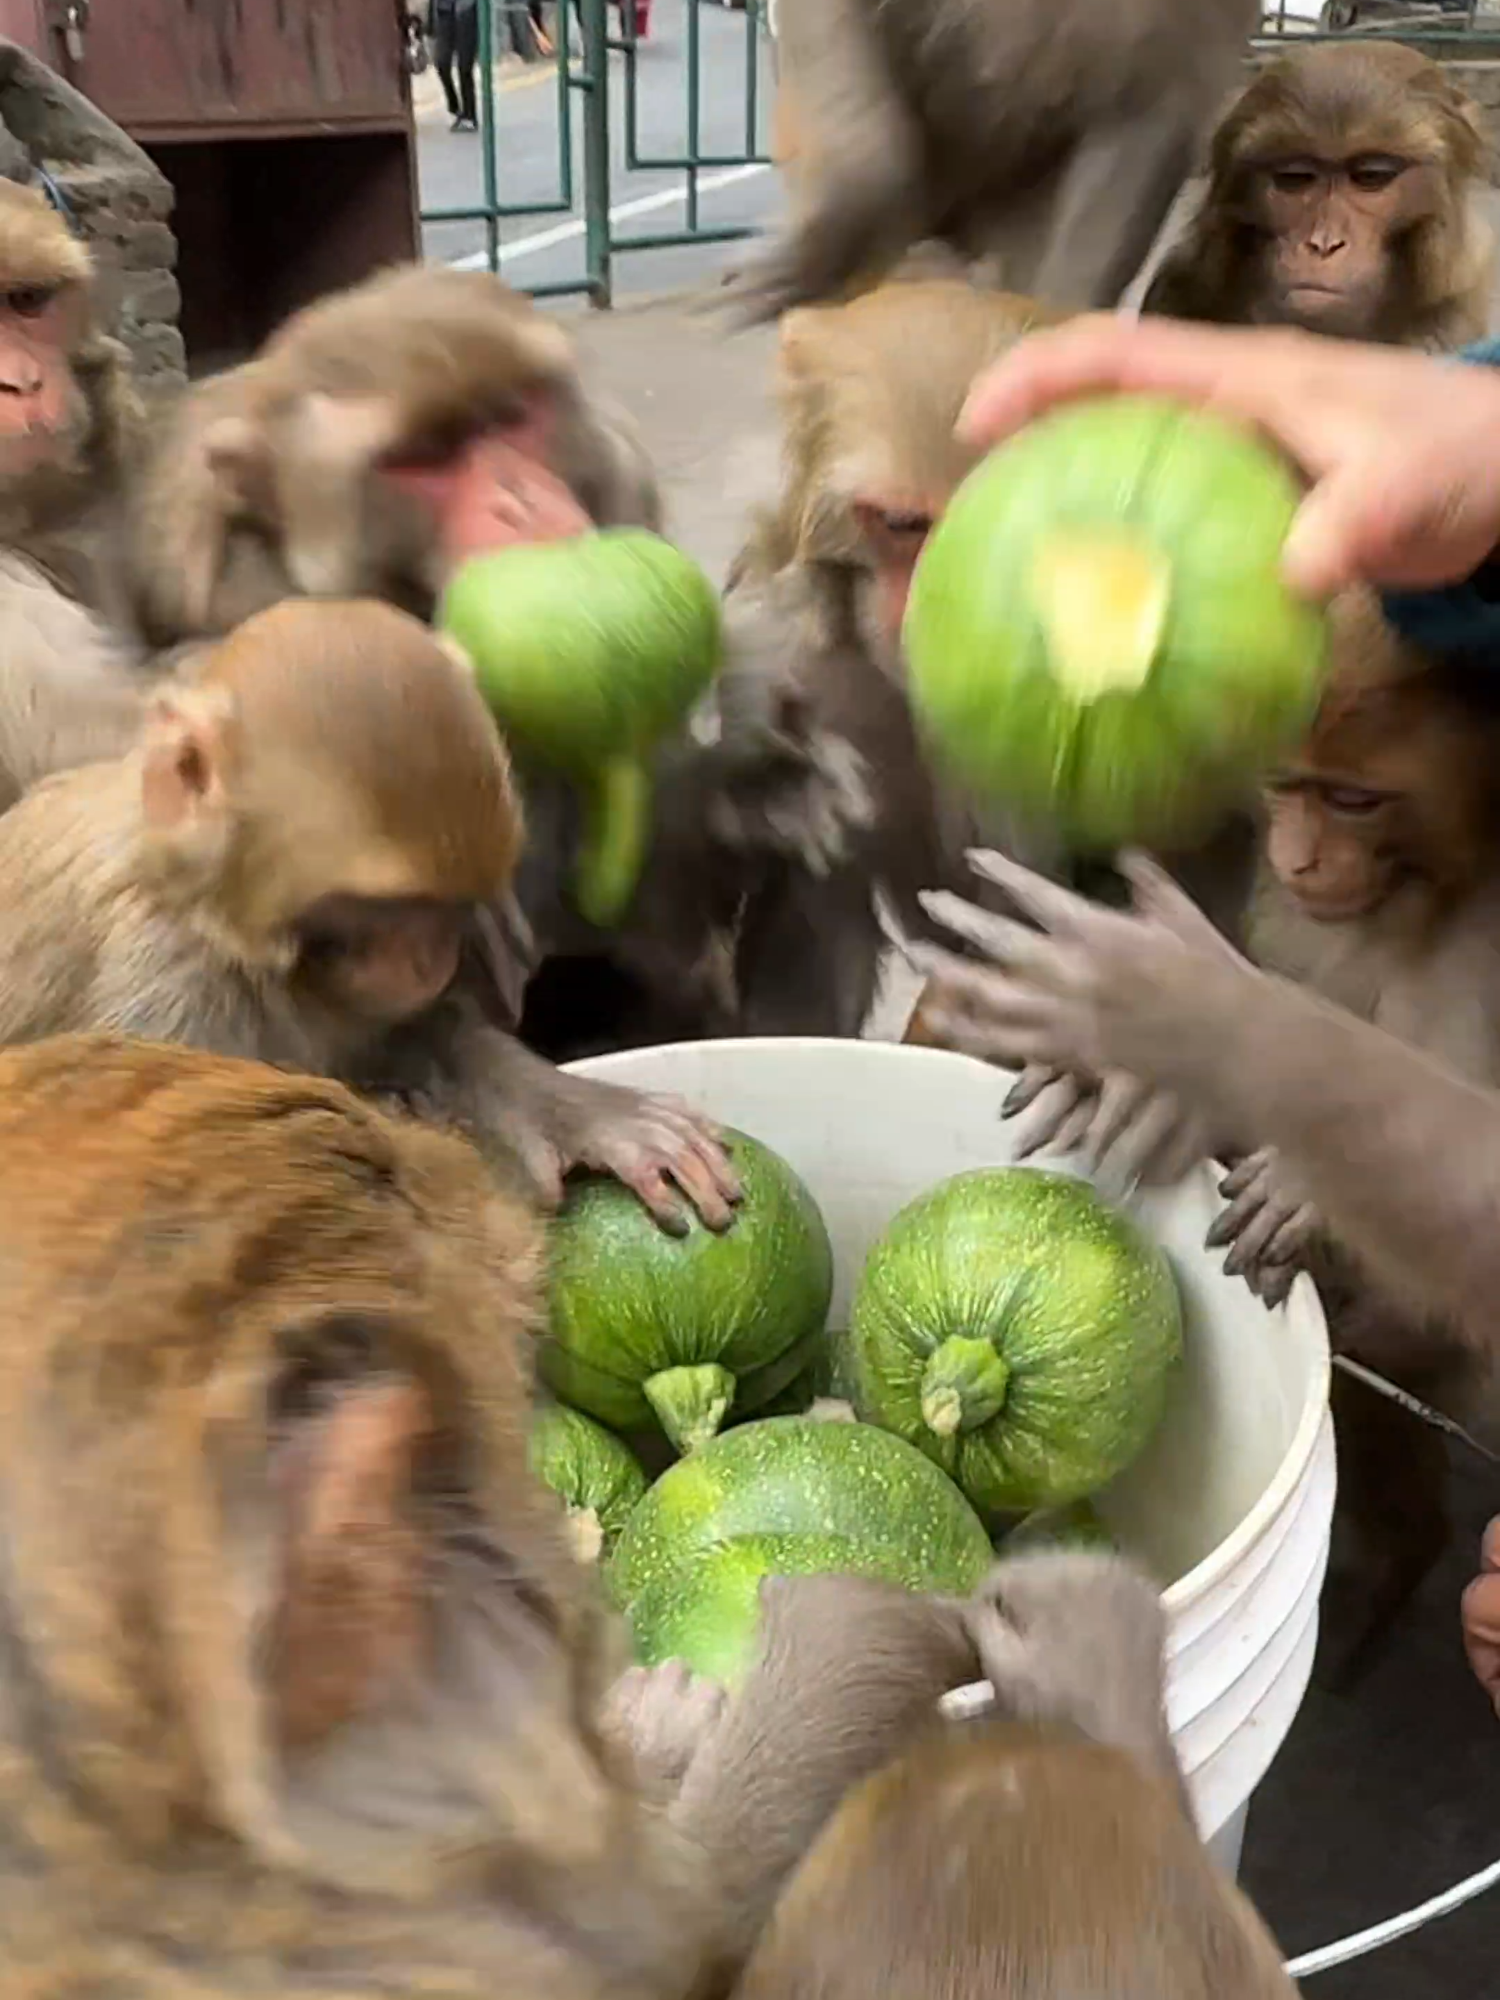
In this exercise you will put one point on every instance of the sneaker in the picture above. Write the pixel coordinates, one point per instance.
(465, 125)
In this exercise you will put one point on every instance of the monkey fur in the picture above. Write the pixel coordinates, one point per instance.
(300, 1687)
(69, 431)
(292, 865)
(1344, 196)
(1041, 1850)
(1049, 141)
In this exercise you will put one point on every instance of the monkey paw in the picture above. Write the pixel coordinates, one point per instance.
(1128, 1134)
(1267, 1227)
(1481, 1617)
(658, 1146)
(662, 1715)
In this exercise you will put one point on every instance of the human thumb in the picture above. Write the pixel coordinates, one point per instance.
(1324, 548)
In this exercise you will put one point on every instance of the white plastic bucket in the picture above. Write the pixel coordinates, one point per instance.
(1232, 1502)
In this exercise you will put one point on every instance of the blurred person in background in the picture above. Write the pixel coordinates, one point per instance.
(455, 53)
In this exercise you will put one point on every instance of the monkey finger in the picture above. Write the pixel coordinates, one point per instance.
(1155, 1148)
(1291, 1237)
(1272, 1283)
(1056, 908)
(1029, 1085)
(1073, 1130)
(1119, 1103)
(1055, 1119)
(1249, 1247)
(1244, 1173)
(1001, 938)
(1006, 1043)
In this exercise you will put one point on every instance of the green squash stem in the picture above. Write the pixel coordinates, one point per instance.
(617, 817)
(690, 1403)
(963, 1385)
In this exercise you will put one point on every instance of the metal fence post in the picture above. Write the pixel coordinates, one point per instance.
(594, 82)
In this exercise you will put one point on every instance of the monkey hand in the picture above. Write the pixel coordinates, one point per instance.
(1065, 1635)
(1095, 990)
(658, 1146)
(1266, 1227)
(1481, 1617)
(662, 1716)
(1127, 1133)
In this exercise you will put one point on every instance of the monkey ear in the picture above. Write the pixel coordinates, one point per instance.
(183, 762)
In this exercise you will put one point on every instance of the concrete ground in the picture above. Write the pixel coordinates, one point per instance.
(1380, 1799)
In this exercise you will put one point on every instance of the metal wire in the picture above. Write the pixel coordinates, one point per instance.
(1361, 1943)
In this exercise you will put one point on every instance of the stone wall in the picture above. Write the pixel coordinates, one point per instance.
(120, 202)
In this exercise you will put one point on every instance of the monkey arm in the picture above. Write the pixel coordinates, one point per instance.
(847, 1671)
(1400, 1157)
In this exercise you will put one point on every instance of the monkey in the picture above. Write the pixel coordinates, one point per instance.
(300, 1687)
(333, 462)
(870, 394)
(1039, 1849)
(291, 864)
(1343, 196)
(70, 427)
(1049, 141)
(1379, 889)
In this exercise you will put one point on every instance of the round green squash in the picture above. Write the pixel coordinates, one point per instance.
(647, 1327)
(1020, 1332)
(588, 652)
(789, 1496)
(594, 1474)
(1097, 632)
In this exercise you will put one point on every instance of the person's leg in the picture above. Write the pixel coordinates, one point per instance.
(467, 37)
(443, 23)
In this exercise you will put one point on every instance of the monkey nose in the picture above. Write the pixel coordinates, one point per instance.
(19, 378)
(1328, 246)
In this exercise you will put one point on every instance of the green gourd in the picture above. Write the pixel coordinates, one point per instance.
(588, 652)
(648, 1328)
(1097, 632)
(1020, 1332)
(594, 1474)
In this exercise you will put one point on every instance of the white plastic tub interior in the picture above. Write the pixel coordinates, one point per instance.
(1231, 1504)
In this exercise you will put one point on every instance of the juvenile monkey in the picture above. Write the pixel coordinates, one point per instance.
(1037, 1853)
(301, 1690)
(1345, 196)
(293, 864)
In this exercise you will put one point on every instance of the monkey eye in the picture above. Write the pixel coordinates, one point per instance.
(1352, 801)
(1374, 171)
(1293, 176)
(29, 301)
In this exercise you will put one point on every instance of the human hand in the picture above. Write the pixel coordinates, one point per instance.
(1402, 450)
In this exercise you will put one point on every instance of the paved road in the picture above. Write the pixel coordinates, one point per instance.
(548, 249)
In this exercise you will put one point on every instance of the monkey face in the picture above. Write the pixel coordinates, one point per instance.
(1335, 847)
(381, 960)
(1334, 230)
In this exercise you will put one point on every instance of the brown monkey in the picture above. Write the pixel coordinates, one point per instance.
(1054, 139)
(1380, 890)
(292, 865)
(1043, 1850)
(301, 1689)
(334, 463)
(1343, 196)
(69, 424)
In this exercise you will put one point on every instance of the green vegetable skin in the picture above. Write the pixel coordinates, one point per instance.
(1074, 1527)
(591, 1471)
(1097, 631)
(588, 652)
(786, 1497)
(678, 1329)
(1018, 1331)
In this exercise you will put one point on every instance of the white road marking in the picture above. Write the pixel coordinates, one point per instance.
(625, 211)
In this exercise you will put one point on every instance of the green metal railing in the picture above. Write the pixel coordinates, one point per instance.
(584, 181)
(1450, 22)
